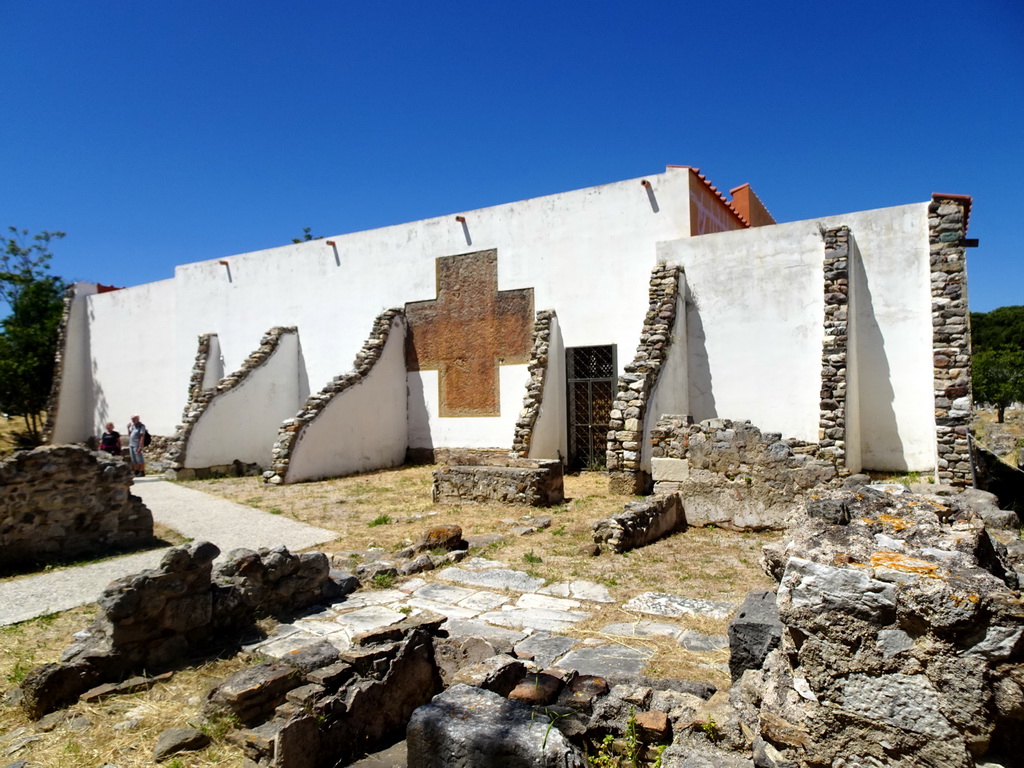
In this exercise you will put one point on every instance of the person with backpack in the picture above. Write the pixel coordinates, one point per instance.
(110, 441)
(138, 439)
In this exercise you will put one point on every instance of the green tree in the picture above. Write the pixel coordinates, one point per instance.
(28, 334)
(307, 235)
(999, 378)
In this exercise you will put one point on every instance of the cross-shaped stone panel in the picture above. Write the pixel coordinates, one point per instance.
(468, 331)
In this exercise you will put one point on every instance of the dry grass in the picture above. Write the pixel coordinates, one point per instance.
(704, 563)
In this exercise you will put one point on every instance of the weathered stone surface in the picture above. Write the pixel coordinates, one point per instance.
(493, 578)
(641, 523)
(543, 648)
(538, 483)
(252, 694)
(176, 740)
(753, 632)
(466, 727)
(537, 689)
(612, 662)
(500, 674)
(660, 604)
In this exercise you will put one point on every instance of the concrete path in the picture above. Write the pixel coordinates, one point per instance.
(193, 514)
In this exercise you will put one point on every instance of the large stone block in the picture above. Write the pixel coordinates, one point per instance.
(467, 727)
(754, 632)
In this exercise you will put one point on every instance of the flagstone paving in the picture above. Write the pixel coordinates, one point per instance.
(534, 624)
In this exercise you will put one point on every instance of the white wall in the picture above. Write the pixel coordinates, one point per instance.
(754, 325)
(428, 430)
(73, 421)
(893, 335)
(671, 392)
(550, 438)
(586, 253)
(755, 330)
(362, 428)
(130, 366)
(243, 422)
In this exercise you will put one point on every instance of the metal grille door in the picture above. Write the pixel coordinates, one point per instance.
(590, 383)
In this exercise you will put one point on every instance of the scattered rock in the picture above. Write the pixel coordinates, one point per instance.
(177, 740)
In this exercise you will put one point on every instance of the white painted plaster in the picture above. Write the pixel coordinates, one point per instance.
(129, 345)
(670, 394)
(428, 430)
(550, 432)
(362, 428)
(755, 318)
(754, 325)
(73, 420)
(243, 422)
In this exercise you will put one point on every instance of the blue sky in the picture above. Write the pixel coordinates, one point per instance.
(161, 133)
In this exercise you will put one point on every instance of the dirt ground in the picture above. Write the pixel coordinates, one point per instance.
(389, 510)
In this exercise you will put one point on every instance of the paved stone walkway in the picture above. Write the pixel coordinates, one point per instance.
(533, 623)
(193, 514)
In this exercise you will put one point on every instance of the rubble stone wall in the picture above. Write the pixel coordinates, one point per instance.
(185, 606)
(637, 382)
(951, 336)
(834, 350)
(44, 516)
(538, 483)
(738, 449)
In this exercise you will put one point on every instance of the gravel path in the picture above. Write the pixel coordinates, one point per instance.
(193, 514)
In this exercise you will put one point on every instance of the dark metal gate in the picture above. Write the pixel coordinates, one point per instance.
(590, 384)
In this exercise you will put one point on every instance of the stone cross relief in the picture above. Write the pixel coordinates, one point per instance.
(468, 331)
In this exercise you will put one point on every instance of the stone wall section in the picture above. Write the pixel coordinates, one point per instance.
(637, 382)
(45, 516)
(951, 336)
(199, 399)
(291, 430)
(738, 449)
(53, 401)
(184, 608)
(641, 522)
(538, 483)
(534, 397)
(832, 419)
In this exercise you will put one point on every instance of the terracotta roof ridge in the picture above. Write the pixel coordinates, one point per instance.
(715, 191)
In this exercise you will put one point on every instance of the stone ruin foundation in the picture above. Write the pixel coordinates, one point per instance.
(894, 638)
(534, 482)
(45, 517)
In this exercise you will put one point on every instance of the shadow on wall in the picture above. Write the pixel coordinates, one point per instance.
(301, 373)
(100, 406)
(701, 394)
(881, 446)
(420, 438)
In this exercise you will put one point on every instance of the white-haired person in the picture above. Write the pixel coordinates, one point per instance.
(137, 445)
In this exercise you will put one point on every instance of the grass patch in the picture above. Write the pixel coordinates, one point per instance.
(379, 520)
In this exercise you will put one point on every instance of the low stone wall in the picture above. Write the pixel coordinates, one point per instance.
(185, 607)
(641, 523)
(538, 483)
(734, 476)
(45, 516)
